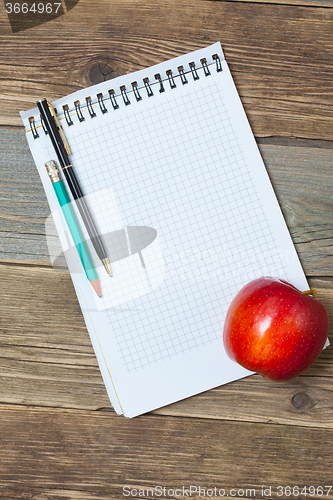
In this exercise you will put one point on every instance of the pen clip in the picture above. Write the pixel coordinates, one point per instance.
(53, 113)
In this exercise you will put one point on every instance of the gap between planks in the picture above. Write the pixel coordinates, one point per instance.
(271, 140)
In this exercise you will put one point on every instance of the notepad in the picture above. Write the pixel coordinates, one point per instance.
(180, 195)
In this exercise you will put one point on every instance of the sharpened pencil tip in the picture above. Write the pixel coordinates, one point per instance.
(107, 265)
(96, 287)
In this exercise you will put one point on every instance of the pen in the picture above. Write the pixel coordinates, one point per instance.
(61, 148)
(73, 225)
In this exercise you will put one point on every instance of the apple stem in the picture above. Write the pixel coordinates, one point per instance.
(310, 292)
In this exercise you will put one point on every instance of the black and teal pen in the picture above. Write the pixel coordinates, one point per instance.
(73, 225)
(61, 148)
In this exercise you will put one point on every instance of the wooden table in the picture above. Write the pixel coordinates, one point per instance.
(60, 438)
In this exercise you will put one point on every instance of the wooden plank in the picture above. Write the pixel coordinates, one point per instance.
(53, 453)
(303, 183)
(280, 55)
(305, 3)
(47, 360)
(300, 175)
(24, 208)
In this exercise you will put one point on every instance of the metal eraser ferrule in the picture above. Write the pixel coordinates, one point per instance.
(53, 171)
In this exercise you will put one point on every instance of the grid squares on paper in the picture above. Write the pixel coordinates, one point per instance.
(177, 166)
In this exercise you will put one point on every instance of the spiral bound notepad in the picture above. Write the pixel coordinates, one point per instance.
(180, 195)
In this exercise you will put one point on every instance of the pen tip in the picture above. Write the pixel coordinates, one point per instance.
(107, 265)
(96, 287)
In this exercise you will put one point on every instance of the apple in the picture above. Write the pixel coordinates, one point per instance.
(274, 329)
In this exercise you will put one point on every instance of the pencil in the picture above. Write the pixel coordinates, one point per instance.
(73, 225)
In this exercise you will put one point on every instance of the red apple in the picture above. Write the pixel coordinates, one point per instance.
(274, 329)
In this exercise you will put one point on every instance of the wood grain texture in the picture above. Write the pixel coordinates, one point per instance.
(306, 3)
(52, 453)
(279, 55)
(60, 439)
(303, 184)
(301, 177)
(47, 360)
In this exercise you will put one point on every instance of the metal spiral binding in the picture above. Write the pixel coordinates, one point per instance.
(150, 93)
(125, 96)
(194, 71)
(90, 108)
(170, 78)
(205, 66)
(114, 103)
(33, 127)
(67, 115)
(159, 79)
(182, 74)
(216, 58)
(79, 111)
(136, 91)
(101, 103)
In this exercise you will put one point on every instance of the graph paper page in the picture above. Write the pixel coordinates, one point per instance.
(179, 192)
